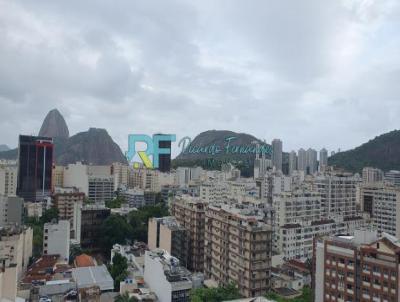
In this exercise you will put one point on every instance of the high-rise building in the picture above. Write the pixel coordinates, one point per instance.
(101, 189)
(166, 233)
(56, 239)
(8, 178)
(35, 163)
(371, 175)
(164, 160)
(277, 154)
(292, 162)
(311, 159)
(302, 160)
(338, 194)
(190, 213)
(238, 248)
(323, 159)
(92, 219)
(58, 177)
(120, 172)
(69, 205)
(357, 268)
(382, 203)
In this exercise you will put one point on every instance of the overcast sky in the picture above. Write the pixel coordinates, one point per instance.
(313, 73)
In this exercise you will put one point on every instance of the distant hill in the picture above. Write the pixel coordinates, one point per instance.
(382, 152)
(228, 143)
(94, 146)
(4, 148)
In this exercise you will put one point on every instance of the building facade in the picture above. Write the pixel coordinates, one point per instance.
(238, 248)
(190, 214)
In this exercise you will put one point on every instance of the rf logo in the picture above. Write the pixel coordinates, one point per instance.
(155, 146)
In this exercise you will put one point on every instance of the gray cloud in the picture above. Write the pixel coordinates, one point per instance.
(313, 73)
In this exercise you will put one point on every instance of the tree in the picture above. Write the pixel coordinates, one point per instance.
(229, 292)
(118, 269)
(125, 298)
(114, 230)
(49, 215)
(115, 203)
(139, 219)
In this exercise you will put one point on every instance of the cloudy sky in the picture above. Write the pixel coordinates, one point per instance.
(313, 73)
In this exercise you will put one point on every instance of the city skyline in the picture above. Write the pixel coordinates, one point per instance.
(188, 67)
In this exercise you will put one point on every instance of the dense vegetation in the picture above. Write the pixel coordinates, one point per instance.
(382, 152)
(118, 270)
(120, 229)
(305, 297)
(218, 294)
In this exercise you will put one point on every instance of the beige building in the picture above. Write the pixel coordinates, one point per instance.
(190, 213)
(58, 176)
(69, 205)
(238, 248)
(8, 179)
(145, 179)
(120, 172)
(15, 251)
(166, 233)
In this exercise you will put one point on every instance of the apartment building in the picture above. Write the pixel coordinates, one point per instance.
(69, 205)
(166, 277)
(8, 178)
(382, 203)
(120, 172)
(11, 211)
(92, 219)
(56, 236)
(298, 206)
(166, 233)
(190, 213)
(338, 194)
(357, 268)
(273, 182)
(15, 252)
(145, 179)
(371, 175)
(295, 241)
(101, 189)
(238, 248)
(58, 176)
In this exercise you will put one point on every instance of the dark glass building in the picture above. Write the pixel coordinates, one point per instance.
(164, 160)
(35, 162)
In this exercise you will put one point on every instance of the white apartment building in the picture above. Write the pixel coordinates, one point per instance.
(273, 182)
(382, 203)
(134, 197)
(96, 182)
(101, 189)
(312, 163)
(371, 175)
(56, 239)
(166, 278)
(295, 241)
(338, 194)
(8, 178)
(323, 159)
(298, 206)
(393, 177)
(277, 154)
(302, 160)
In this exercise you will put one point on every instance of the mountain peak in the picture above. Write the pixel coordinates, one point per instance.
(54, 125)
